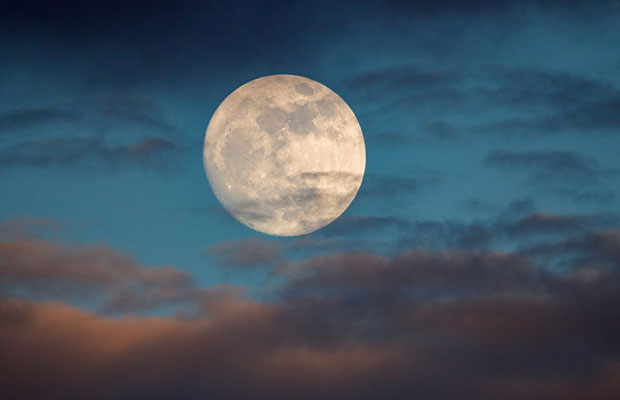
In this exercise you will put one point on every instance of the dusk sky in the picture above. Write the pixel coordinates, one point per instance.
(479, 260)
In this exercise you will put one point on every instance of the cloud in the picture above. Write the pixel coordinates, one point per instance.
(403, 89)
(384, 185)
(596, 252)
(540, 88)
(550, 167)
(407, 77)
(111, 281)
(518, 225)
(550, 101)
(389, 139)
(115, 131)
(103, 113)
(29, 117)
(348, 224)
(436, 324)
(27, 227)
(131, 109)
(519, 101)
(427, 234)
(442, 130)
(154, 152)
(159, 358)
(541, 223)
(588, 196)
(396, 278)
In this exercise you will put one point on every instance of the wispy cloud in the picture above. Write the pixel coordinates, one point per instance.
(156, 152)
(406, 77)
(29, 117)
(549, 101)
(550, 167)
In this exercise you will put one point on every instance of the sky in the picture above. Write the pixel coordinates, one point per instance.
(480, 258)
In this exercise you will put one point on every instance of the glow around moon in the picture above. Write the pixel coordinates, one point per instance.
(284, 155)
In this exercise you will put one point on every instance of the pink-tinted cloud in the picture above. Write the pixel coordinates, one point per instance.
(27, 227)
(112, 281)
(449, 324)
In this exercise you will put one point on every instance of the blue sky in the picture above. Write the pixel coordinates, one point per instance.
(490, 128)
(436, 93)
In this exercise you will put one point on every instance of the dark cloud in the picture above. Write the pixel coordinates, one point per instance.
(588, 196)
(158, 153)
(408, 77)
(594, 117)
(520, 101)
(563, 224)
(550, 167)
(30, 117)
(100, 122)
(416, 234)
(99, 275)
(545, 89)
(100, 113)
(348, 224)
(345, 325)
(593, 254)
(517, 208)
(388, 139)
(383, 185)
(517, 225)
(442, 130)
(124, 109)
(403, 89)
(543, 223)
(550, 101)
(339, 274)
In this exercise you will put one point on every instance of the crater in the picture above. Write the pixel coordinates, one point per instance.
(304, 89)
(272, 120)
(300, 121)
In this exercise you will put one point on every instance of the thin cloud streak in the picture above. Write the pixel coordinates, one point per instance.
(69, 152)
(29, 117)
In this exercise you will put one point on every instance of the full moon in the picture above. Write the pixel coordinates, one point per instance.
(284, 155)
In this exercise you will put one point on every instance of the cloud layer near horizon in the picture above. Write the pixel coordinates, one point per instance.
(418, 323)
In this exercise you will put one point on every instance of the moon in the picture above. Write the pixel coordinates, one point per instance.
(284, 155)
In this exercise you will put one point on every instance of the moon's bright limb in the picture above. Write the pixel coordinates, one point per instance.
(284, 155)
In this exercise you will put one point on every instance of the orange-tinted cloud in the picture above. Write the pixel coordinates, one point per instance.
(449, 324)
(106, 278)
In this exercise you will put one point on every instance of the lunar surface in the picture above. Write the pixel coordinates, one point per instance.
(284, 155)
